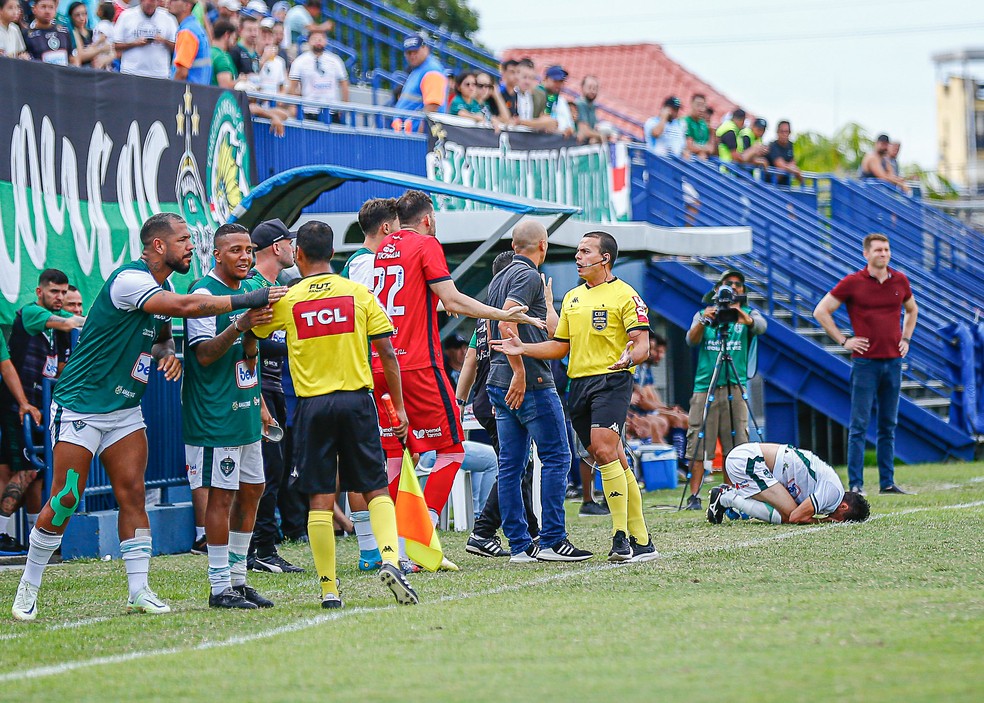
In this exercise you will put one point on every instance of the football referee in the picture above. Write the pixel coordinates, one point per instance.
(604, 326)
(328, 320)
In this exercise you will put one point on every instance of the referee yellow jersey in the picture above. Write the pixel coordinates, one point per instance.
(328, 319)
(596, 322)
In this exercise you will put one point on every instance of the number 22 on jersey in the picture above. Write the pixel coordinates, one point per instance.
(389, 279)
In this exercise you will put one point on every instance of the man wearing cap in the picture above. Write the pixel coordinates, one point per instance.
(556, 105)
(665, 135)
(223, 417)
(426, 88)
(753, 150)
(228, 10)
(874, 165)
(273, 246)
(300, 21)
(192, 54)
(727, 418)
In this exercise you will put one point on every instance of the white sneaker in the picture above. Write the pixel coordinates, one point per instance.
(25, 602)
(448, 565)
(527, 556)
(146, 601)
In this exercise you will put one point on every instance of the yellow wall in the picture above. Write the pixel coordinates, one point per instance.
(952, 129)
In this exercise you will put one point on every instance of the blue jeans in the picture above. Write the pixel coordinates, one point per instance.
(874, 381)
(480, 461)
(541, 419)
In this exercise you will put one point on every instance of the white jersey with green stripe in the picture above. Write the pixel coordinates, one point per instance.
(220, 402)
(806, 476)
(110, 366)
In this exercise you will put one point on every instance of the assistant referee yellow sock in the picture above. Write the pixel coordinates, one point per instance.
(321, 533)
(613, 481)
(636, 521)
(382, 517)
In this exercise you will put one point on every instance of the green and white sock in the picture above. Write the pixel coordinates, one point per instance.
(219, 576)
(136, 558)
(238, 547)
(751, 507)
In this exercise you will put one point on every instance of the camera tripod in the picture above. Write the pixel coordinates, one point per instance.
(724, 361)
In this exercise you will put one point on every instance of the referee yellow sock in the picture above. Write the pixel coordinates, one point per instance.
(636, 522)
(613, 481)
(382, 517)
(321, 533)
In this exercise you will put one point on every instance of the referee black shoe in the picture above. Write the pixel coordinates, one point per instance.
(230, 599)
(621, 549)
(563, 551)
(251, 594)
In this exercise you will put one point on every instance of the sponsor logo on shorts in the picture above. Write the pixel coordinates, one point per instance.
(120, 390)
(599, 319)
(227, 466)
(79, 425)
(739, 485)
(432, 432)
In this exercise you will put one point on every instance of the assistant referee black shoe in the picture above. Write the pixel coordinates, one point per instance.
(621, 549)
(251, 594)
(563, 551)
(230, 599)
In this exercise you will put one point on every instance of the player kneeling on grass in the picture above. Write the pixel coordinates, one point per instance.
(328, 320)
(779, 483)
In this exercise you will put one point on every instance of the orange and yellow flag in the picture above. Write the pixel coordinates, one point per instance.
(413, 520)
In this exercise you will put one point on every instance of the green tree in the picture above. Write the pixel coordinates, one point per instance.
(450, 15)
(841, 153)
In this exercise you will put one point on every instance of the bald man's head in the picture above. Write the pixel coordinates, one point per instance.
(527, 236)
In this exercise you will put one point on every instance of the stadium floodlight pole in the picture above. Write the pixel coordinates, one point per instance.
(725, 361)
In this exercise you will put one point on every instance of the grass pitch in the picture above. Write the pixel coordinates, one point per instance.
(891, 610)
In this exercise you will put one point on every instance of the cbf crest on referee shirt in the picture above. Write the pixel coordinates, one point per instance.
(599, 319)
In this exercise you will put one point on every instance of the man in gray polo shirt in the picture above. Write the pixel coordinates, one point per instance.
(527, 408)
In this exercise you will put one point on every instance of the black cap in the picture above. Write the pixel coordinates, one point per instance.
(672, 101)
(883, 138)
(760, 123)
(266, 233)
(731, 272)
(454, 341)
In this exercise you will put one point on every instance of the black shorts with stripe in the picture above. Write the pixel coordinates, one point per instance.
(599, 401)
(337, 432)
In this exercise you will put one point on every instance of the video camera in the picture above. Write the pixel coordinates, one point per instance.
(724, 299)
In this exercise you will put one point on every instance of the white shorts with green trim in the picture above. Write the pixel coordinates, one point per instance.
(224, 467)
(93, 431)
(746, 468)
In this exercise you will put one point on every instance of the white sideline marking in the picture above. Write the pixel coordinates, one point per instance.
(57, 626)
(307, 623)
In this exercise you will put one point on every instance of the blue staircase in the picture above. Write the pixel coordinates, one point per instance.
(797, 257)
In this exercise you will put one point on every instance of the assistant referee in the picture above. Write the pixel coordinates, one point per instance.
(604, 326)
(328, 320)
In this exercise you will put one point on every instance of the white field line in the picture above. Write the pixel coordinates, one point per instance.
(307, 623)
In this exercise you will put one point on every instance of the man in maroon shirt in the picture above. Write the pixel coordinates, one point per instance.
(875, 297)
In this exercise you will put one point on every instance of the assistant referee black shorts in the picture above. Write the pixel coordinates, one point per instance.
(599, 401)
(337, 433)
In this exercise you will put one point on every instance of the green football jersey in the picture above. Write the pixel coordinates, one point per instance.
(111, 364)
(220, 402)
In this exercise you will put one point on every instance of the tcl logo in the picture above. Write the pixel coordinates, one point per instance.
(319, 318)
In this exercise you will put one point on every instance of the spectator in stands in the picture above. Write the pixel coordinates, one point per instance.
(228, 10)
(319, 75)
(244, 53)
(892, 160)
(455, 347)
(753, 149)
(426, 87)
(781, 154)
(224, 71)
(273, 67)
(465, 103)
(529, 101)
(45, 40)
(697, 130)
(82, 50)
(279, 10)
(666, 133)
(729, 147)
(73, 301)
(493, 107)
(105, 29)
(144, 40)
(876, 297)
(192, 53)
(556, 106)
(507, 86)
(587, 120)
(303, 19)
(11, 37)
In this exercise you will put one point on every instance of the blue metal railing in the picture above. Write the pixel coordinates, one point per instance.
(797, 256)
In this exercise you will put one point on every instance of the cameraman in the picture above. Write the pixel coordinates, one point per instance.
(709, 327)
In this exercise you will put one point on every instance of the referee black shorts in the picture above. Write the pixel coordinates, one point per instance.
(599, 401)
(337, 433)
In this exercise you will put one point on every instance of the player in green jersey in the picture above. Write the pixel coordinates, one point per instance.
(96, 404)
